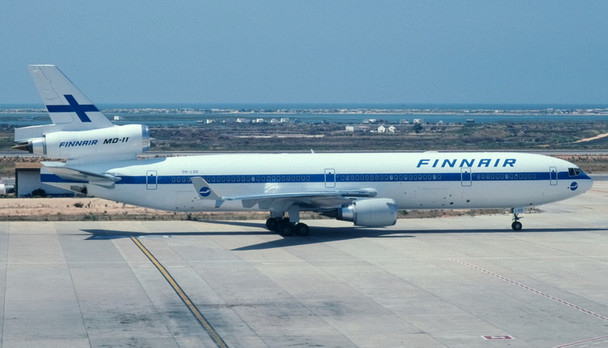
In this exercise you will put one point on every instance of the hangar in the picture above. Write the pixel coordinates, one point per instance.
(28, 184)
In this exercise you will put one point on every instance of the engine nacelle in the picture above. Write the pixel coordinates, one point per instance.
(370, 212)
(118, 142)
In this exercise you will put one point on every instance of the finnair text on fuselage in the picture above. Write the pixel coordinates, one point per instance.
(455, 162)
(78, 143)
(92, 142)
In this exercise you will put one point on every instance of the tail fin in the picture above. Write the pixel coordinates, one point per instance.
(68, 107)
(80, 132)
(63, 100)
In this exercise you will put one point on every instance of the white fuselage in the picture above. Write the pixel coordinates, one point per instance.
(365, 188)
(427, 180)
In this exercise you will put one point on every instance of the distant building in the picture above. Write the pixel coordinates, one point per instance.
(350, 129)
(385, 129)
(27, 180)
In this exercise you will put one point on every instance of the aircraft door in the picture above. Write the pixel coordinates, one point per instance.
(151, 180)
(466, 178)
(330, 177)
(553, 176)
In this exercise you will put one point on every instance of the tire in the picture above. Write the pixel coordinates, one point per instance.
(516, 226)
(271, 224)
(285, 228)
(301, 229)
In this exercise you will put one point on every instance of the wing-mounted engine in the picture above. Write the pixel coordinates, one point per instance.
(370, 212)
(116, 143)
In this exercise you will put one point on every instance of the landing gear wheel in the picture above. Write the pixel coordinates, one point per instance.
(301, 229)
(272, 223)
(516, 226)
(285, 228)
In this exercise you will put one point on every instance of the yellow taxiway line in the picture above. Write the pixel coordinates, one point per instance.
(184, 297)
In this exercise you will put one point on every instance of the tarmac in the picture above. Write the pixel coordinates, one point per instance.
(465, 281)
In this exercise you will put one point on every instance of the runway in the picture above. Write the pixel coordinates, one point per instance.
(450, 282)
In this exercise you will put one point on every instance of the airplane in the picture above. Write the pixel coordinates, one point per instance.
(103, 160)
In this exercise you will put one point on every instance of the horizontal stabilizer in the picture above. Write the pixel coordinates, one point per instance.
(59, 169)
(205, 192)
(25, 134)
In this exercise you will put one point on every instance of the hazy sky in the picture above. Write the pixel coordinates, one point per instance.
(310, 51)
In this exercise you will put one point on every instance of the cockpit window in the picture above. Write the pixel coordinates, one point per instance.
(574, 171)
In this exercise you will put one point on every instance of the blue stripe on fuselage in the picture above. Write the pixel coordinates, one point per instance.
(339, 178)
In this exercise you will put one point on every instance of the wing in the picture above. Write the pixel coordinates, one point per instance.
(59, 169)
(282, 200)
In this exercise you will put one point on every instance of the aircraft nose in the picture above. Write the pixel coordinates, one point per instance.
(583, 185)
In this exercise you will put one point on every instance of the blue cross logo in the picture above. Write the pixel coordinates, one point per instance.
(80, 110)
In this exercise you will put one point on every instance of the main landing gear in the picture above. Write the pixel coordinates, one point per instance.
(516, 225)
(290, 226)
(285, 228)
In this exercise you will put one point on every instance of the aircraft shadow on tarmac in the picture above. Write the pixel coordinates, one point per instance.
(97, 234)
(317, 234)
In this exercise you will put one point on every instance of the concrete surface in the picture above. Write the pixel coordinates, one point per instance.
(422, 283)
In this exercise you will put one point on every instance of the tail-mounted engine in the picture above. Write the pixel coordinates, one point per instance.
(117, 142)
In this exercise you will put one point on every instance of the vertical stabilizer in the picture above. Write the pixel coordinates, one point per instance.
(68, 108)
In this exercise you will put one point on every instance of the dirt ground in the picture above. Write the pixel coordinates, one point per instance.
(68, 208)
(79, 209)
(53, 209)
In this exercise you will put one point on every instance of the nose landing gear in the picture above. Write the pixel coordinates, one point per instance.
(516, 225)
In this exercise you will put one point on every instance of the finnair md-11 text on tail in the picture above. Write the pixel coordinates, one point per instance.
(365, 188)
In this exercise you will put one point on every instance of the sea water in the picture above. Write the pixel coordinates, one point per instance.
(197, 114)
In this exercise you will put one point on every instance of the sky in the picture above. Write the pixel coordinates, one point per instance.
(405, 52)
